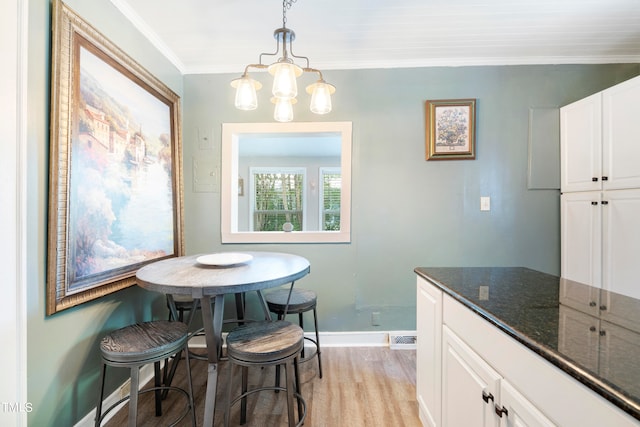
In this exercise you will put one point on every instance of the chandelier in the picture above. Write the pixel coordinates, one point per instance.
(284, 72)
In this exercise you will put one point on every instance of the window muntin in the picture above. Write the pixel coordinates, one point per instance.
(278, 198)
(330, 196)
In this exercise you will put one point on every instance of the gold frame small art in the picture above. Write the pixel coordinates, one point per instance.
(450, 129)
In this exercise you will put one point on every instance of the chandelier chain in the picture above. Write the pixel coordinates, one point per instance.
(286, 4)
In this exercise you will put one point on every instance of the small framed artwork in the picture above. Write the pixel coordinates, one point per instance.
(115, 184)
(450, 129)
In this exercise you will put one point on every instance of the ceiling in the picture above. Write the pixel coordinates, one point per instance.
(223, 36)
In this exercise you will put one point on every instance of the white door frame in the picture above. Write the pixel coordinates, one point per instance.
(13, 324)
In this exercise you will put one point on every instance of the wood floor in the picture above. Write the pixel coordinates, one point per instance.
(361, 386)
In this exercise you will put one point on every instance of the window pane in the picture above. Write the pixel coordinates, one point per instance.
(331, 189)
(278, 200)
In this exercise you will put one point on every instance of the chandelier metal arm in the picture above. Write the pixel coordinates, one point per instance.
(246, 69)
(298, 57)
(275, 35)
(313, 70)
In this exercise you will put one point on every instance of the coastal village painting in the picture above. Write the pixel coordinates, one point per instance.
(115, 166)
(120, 195)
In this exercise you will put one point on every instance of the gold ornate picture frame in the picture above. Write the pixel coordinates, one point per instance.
(115, 179)
(450, 129)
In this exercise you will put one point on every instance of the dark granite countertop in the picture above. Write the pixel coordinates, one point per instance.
(591, 334)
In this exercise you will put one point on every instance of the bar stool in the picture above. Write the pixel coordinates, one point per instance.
(266, 344)
(137, 345)
(301, 301)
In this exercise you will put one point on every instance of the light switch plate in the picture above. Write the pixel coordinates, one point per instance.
(485, 203)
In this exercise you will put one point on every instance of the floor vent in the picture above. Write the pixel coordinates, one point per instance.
(402, 341)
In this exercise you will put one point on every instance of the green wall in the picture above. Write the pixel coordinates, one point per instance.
(406, 212)
(63, 364)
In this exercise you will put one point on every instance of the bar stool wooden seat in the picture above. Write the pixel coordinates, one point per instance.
(266, 344)
(137, 345)
(301, 301)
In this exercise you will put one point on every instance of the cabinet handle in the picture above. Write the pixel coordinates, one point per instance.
(486, 397)
(605, 178)
(594, 203)
(592, 329)
(594, 179)
(501, 411)
(592, 304)
(603, 307)
(604, 202)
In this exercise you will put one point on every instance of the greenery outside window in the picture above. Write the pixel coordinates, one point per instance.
(278, 199)
(330, 195)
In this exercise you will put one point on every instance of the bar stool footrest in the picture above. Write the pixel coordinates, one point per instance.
(147, 390)
(276, 389)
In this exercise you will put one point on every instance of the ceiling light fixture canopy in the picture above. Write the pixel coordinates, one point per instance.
(285, 72)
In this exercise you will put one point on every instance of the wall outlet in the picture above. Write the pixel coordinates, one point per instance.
(375, 318)
(125, 389)
(483, 293)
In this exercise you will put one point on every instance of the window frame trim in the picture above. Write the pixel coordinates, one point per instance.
(231, 133)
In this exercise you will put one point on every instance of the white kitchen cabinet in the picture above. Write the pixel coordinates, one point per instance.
(518, 411)
(474, 394)
(429, 352)
(486, 373)
(600, 239)
(470, 387)
(621, 135)
(581, 237)
(581, 145)
(600, 140)
(621, 241)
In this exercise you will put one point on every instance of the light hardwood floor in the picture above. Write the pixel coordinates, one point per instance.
(361, 386)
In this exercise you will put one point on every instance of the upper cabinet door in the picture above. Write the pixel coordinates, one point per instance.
(621, 241)
(621, 135)
(581, 237)
(581, 145)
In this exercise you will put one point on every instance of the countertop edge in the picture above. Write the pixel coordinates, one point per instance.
(612, 394)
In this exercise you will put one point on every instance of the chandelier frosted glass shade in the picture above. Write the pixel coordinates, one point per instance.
(246, 98)
(321, 92)
(284, 79)
(285, 71)
(283, 111)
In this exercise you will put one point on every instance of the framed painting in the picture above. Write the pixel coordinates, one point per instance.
(115, 166)
(450, 128)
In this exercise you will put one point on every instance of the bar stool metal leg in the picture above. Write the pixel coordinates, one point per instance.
(315, 321)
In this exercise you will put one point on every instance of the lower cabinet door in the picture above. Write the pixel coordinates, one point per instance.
(429, 353)
(517, 411)
(470, 387)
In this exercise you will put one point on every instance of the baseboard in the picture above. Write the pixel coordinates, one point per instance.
(337, 339)
(327, 339)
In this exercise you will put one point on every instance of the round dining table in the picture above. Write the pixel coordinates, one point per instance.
(208, 278)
